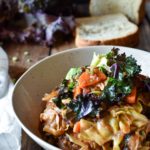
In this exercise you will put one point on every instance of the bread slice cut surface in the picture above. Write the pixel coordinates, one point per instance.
(105, 29)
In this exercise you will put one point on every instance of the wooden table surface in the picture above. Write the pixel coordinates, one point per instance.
(144, 44)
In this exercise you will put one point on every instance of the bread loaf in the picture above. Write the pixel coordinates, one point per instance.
(133, 9)
(112, 29)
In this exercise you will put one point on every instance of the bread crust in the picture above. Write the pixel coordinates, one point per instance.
(129, 40)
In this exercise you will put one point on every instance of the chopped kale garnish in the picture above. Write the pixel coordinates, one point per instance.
(120, 63)
(120, 70)
(115, 91)
(63, 93)
(130, 67)
(111, 56)
(84, 105)
(123, 69)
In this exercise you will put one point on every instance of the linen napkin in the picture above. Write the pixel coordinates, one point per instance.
(10, 131)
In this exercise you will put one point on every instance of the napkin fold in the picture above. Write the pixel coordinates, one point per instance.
(10, 131)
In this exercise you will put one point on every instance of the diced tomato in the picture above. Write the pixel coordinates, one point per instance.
(76, 128)
(131, 98)
(101, 75)
(88, 79)
(77, 91)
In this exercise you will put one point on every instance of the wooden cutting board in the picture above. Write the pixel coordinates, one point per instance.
(23, 56)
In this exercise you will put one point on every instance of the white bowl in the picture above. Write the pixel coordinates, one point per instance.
(47, 74)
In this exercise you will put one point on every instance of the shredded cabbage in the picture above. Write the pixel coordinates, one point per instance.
(113, 127)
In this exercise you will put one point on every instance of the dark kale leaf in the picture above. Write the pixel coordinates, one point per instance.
(119, 62)
(84, 105)
(131, 68)
(63, 93)
(112, 53)
(111, 56)
(115, 91)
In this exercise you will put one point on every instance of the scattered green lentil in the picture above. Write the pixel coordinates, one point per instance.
(26, 53)
(15, 59)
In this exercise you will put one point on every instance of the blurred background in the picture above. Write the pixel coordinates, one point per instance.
(33, 29)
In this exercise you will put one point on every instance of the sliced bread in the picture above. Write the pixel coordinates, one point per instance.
(112, 29)
(133, 9)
